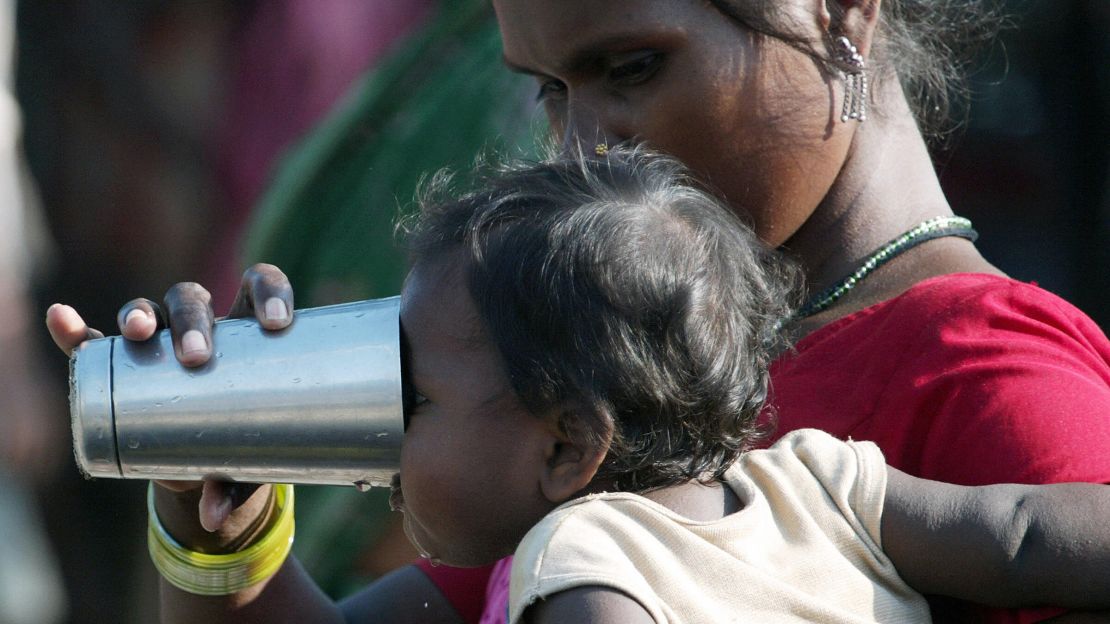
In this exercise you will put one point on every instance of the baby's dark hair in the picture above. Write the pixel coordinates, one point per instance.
(624, 297)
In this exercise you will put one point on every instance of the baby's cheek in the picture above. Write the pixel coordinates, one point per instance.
(421, 478)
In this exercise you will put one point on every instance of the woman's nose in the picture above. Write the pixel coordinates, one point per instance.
(585, 130)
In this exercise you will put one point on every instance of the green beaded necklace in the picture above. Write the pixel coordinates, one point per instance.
(936, 227)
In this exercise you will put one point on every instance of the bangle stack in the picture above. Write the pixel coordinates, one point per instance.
(218, 575)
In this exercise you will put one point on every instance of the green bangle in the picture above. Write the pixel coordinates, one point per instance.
(218, 575)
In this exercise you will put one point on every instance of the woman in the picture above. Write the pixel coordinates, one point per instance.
(803, 117)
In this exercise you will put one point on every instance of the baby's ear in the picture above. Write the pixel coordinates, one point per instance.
(574, 455)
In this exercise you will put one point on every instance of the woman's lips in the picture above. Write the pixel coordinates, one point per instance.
(396, 496)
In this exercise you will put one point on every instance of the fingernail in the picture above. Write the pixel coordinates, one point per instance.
(192, 343)
(276, 310)
(135, 314)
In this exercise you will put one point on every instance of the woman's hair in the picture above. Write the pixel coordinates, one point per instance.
(927, 44)
(625, 298)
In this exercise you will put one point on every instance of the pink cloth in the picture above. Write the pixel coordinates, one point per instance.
(497, 593)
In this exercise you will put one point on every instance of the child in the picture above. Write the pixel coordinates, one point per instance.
(588, 342)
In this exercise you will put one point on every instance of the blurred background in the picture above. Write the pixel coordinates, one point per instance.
(155, 133)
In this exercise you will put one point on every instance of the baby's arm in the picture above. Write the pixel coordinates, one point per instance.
(1001, 545)
(587, 605)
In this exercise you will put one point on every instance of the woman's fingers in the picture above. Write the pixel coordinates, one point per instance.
(67, 328)
(219, 499)
(265, 294)
(189, 308)
(139, 319)
(215, 506)
(217, 503)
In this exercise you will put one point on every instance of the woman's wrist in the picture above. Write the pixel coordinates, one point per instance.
(238, 560)
(179, 512)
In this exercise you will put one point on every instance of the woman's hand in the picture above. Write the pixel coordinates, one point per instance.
(266, 294)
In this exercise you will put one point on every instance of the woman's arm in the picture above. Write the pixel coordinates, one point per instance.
(288, 596)
(1001, 545)
(404, 596)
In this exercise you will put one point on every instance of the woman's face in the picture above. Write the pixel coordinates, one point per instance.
(471, 455)
(754, 117)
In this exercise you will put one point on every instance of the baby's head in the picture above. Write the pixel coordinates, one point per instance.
(577, 325)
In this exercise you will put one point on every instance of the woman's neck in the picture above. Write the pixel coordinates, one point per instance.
(887, 186)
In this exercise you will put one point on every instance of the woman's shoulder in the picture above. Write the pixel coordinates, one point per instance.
(966, 378)
(984, 294)
(946, 307)
(949, 331)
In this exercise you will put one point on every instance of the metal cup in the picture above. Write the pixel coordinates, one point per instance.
(317, 403)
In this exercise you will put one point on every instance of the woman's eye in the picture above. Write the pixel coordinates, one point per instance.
(636, 68)
(549, 89)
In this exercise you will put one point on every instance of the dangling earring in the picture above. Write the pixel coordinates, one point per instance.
(854, 72)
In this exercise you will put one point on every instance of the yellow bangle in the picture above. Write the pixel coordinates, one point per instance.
(219, 575)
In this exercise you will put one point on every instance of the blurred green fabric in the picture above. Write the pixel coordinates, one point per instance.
(439, 99)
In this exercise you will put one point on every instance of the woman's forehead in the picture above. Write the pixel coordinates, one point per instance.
(546, 28)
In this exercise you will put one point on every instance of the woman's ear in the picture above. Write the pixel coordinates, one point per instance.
(854, 19)
(573, 459)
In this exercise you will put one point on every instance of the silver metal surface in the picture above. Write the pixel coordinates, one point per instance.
(317, 403)
(90, 402)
